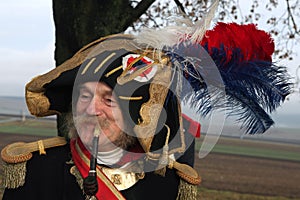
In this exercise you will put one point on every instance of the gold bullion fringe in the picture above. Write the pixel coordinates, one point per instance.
(187, 191)
(14, 174)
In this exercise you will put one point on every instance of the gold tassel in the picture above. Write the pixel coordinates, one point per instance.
(163, 161)
(187, 191)
(161, 171)
(75, 172)
(164, 158)
(14, 174)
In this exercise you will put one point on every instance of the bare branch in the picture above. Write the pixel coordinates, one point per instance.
(180, 5)
(141, 8)
(290, 15)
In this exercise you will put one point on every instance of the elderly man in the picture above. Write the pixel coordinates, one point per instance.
(126, 141)
(128, 136)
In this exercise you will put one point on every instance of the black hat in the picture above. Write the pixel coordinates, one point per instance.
(148, 104)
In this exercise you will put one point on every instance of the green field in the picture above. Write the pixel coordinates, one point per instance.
(255, 148)
(257, 152)
(30, 127)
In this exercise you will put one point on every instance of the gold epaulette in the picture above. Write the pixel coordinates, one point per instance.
(189, 180)
(16, 155)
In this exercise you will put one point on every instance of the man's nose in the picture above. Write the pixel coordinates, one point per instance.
(95, 107)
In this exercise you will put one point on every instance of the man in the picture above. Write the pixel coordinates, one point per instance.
(129, 137)
(128, 166)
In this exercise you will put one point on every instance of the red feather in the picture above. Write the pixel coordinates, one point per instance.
(253, 44)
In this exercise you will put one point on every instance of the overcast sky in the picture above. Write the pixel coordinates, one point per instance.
(27, 46)
(26, 43)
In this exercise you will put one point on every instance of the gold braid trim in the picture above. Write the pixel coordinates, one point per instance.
(186, 172)
(37, 102)
(16, 155)
(21, 152)
(131, 98)
(151, 110)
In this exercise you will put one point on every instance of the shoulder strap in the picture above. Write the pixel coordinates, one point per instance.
(21, 152)
(16, 155)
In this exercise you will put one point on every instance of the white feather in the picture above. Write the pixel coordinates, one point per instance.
(184, 30)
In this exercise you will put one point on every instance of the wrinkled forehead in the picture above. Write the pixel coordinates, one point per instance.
(94, 87)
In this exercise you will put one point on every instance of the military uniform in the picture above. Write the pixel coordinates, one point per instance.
(50, 177)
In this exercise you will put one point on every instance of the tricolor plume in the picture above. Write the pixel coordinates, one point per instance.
(251, 85)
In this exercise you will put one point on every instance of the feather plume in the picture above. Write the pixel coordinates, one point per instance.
(248, 86)
(253, 84)
(253, 44)
(184, 29)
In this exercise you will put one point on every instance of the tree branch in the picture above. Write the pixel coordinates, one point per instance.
(141, 8)
(180, 5)
(290, 15)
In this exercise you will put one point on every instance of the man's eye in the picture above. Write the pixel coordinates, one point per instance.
(110, 102)
(84, 97)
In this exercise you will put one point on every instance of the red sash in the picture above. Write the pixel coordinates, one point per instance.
(81, 158)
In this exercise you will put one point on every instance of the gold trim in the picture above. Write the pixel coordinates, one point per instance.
(37, 102)
(131, 98)
(100, 174)
(21, 152)
(113, 71)
(131, 64)
(168, 134)
(104, 61)
(124, 79)
(88, 66)
(187, 191)
(75, 172)
(164, 158)
(41, 147)
(183, 146)
(14, 174)
(120, 178)
(150, 110)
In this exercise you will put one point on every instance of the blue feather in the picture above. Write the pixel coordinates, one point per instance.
(252, 88)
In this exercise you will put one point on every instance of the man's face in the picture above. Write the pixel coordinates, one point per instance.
(97, 106)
